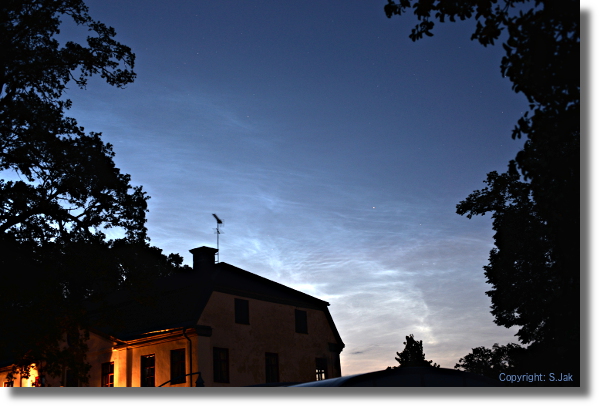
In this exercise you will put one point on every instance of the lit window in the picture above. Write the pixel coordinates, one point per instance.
(108, 374)
(147, 371)
(321, 371)
(177, 366)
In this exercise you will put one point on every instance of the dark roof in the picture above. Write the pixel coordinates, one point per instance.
(179, 300)
(409, 377)
(171, 302)
(234, 280)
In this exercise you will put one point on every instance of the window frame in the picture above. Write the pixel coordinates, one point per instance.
(301, 319)
(242, 311)
(321, 368)
(220, 365)
(108, 374)
(178, 367)
(271, 367)
(144, 376)
(71, 379)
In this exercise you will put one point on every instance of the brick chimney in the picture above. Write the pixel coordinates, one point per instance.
(204, 258)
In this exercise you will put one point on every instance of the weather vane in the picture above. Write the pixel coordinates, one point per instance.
(218, 231)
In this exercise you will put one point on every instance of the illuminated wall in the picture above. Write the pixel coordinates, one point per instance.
(19, 380)
(271, 329)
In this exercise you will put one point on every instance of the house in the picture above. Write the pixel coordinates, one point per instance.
(219, 323)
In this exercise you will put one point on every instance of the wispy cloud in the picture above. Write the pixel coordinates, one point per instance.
(390, 262)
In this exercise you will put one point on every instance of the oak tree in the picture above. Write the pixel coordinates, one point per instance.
(60, 191)
(534, 267)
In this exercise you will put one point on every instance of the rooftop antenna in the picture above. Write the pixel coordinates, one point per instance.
(218, 231)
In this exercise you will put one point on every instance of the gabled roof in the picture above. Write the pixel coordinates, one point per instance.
(234, 280)
(179, 300)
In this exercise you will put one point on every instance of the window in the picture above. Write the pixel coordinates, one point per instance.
(221, 365)
(301, 322)
(108, 374)
(8, 384)
(321, 368)
(242, 313)
(147, 371)
(271, 367)
(71, 379)
(178, 366)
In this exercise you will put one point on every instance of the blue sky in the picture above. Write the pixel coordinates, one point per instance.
(334, 148)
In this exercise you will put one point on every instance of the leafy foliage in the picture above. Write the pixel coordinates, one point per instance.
(519, 296)
(534, 268)
(412, 355)
(491, 362)
(68, 185)
(62, 191)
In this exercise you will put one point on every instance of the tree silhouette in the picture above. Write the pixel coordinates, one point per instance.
(62, 190)
(534, 268)
(491, 362)
(412, 355)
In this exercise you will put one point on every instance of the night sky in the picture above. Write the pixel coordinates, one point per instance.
(333, 147)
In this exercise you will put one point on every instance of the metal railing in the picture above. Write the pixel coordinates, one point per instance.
(199, 381)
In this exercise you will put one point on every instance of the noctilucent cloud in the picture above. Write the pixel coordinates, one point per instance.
(333, 147)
